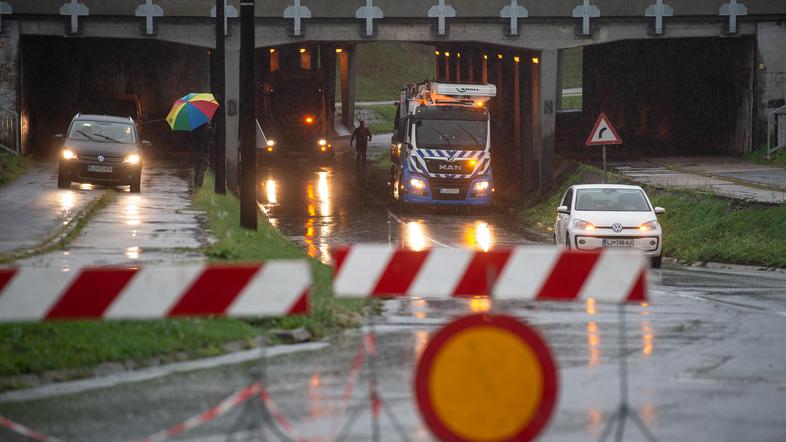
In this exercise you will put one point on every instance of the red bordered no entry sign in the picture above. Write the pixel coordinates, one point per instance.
(486, 378)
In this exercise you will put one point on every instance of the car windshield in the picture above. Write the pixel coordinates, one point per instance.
(102, 131)
(455, 134)
(614, 200)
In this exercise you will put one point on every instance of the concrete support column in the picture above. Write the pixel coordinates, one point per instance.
(232, 137)
(347, 70)
(771, 74)
(516, 109)
(484, 69)
(10, 84)
(457, 66)
(546, 101)
(328, 58)
(446, 55)
(438, 73)
(471, 66)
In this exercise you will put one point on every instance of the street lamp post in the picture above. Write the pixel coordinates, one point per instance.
(248, 204)
(219, 64)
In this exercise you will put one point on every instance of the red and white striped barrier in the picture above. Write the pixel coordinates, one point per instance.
(526, 272)
(26, 432)
(274, 288)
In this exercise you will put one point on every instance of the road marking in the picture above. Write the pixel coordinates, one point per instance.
(404, 223)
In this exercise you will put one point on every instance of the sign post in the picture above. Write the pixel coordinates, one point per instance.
(603, 134)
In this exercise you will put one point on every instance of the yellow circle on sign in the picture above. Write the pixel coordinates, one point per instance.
(485, 384)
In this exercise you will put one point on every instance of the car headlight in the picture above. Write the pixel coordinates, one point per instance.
(417, 183)
(648, 226)
(583, 225)
(69, 154)
(132, 159)
(323, 142)
(481, 186)
(271, 143)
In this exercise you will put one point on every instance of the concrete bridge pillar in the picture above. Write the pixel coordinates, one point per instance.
(347, 71)
(231, 108)
(10, 79)
(544, 84)
(328, 58)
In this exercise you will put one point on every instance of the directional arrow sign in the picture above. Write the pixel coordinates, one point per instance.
(603, 133)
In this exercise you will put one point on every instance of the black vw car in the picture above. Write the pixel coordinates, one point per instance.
(101, 149)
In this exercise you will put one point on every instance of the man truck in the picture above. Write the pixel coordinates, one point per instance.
(440, 151)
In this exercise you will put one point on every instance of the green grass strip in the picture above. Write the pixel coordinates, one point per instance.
(697, 227)
(11, 167)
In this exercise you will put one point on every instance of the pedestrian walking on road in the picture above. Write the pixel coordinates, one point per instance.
(200, 156)
(361, 136)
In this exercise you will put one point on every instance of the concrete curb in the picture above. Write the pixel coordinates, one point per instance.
(116, 373)
(59, 237)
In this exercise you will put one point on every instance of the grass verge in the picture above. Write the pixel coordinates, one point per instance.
(697, 227)
(388, 114)
(11, 167)
(235, 244)
(379, 79)
(66, 350)
(759, 156)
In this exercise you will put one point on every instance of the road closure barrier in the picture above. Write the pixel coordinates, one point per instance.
(273, 288)
(525, 273)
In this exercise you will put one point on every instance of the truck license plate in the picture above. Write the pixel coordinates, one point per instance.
(449, 191)
(102, 169)
(617, 243)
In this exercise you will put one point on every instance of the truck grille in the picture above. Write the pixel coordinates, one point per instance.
(460, 167)
(438, 184)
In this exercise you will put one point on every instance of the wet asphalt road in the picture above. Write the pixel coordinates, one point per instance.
(707, 358)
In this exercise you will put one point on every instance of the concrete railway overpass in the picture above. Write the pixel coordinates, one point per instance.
(678, 74)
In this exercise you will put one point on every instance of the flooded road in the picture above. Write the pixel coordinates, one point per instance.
(328, 204)
(706, 357)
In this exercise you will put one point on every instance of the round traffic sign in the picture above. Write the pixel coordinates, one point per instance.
(486, 378)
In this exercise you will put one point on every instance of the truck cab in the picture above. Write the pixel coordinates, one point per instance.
(440, 152)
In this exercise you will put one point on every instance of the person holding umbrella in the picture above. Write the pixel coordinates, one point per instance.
(202, 145)
(193, 113)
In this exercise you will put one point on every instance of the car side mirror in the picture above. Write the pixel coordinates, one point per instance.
(659, 210)
(409, 146)
(563, 209)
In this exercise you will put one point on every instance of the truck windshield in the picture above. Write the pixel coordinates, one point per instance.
(452, 134)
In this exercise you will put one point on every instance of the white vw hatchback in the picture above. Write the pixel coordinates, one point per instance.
(592, 216)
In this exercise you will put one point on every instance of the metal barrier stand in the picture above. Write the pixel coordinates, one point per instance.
(374, 402)
(620, 415)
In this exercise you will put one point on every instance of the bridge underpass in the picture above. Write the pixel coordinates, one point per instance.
(671, 97)
(139, 78)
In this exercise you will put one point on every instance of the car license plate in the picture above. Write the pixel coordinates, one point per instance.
(449, 191)
(101, 169)
(617, 243)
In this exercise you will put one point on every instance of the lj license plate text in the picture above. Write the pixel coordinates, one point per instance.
(617, 243)
(102, 169)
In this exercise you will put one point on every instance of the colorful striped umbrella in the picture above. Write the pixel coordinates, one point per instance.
(192, 111)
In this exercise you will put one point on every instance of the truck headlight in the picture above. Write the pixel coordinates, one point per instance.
(69, 154)
(417, 183)
(132, 159)
(481, 186)
(648, 226)
(322, 142)
(271, 143)
(583, 225)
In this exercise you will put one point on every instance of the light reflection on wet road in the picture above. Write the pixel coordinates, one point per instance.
(324, 205)
(706, 357)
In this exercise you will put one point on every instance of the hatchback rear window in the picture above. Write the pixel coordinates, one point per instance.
(615, 200)
(102, 131)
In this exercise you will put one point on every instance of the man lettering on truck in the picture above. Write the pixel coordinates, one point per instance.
(361, 136)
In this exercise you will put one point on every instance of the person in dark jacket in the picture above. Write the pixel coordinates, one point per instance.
(361, 136)
(202, 147)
